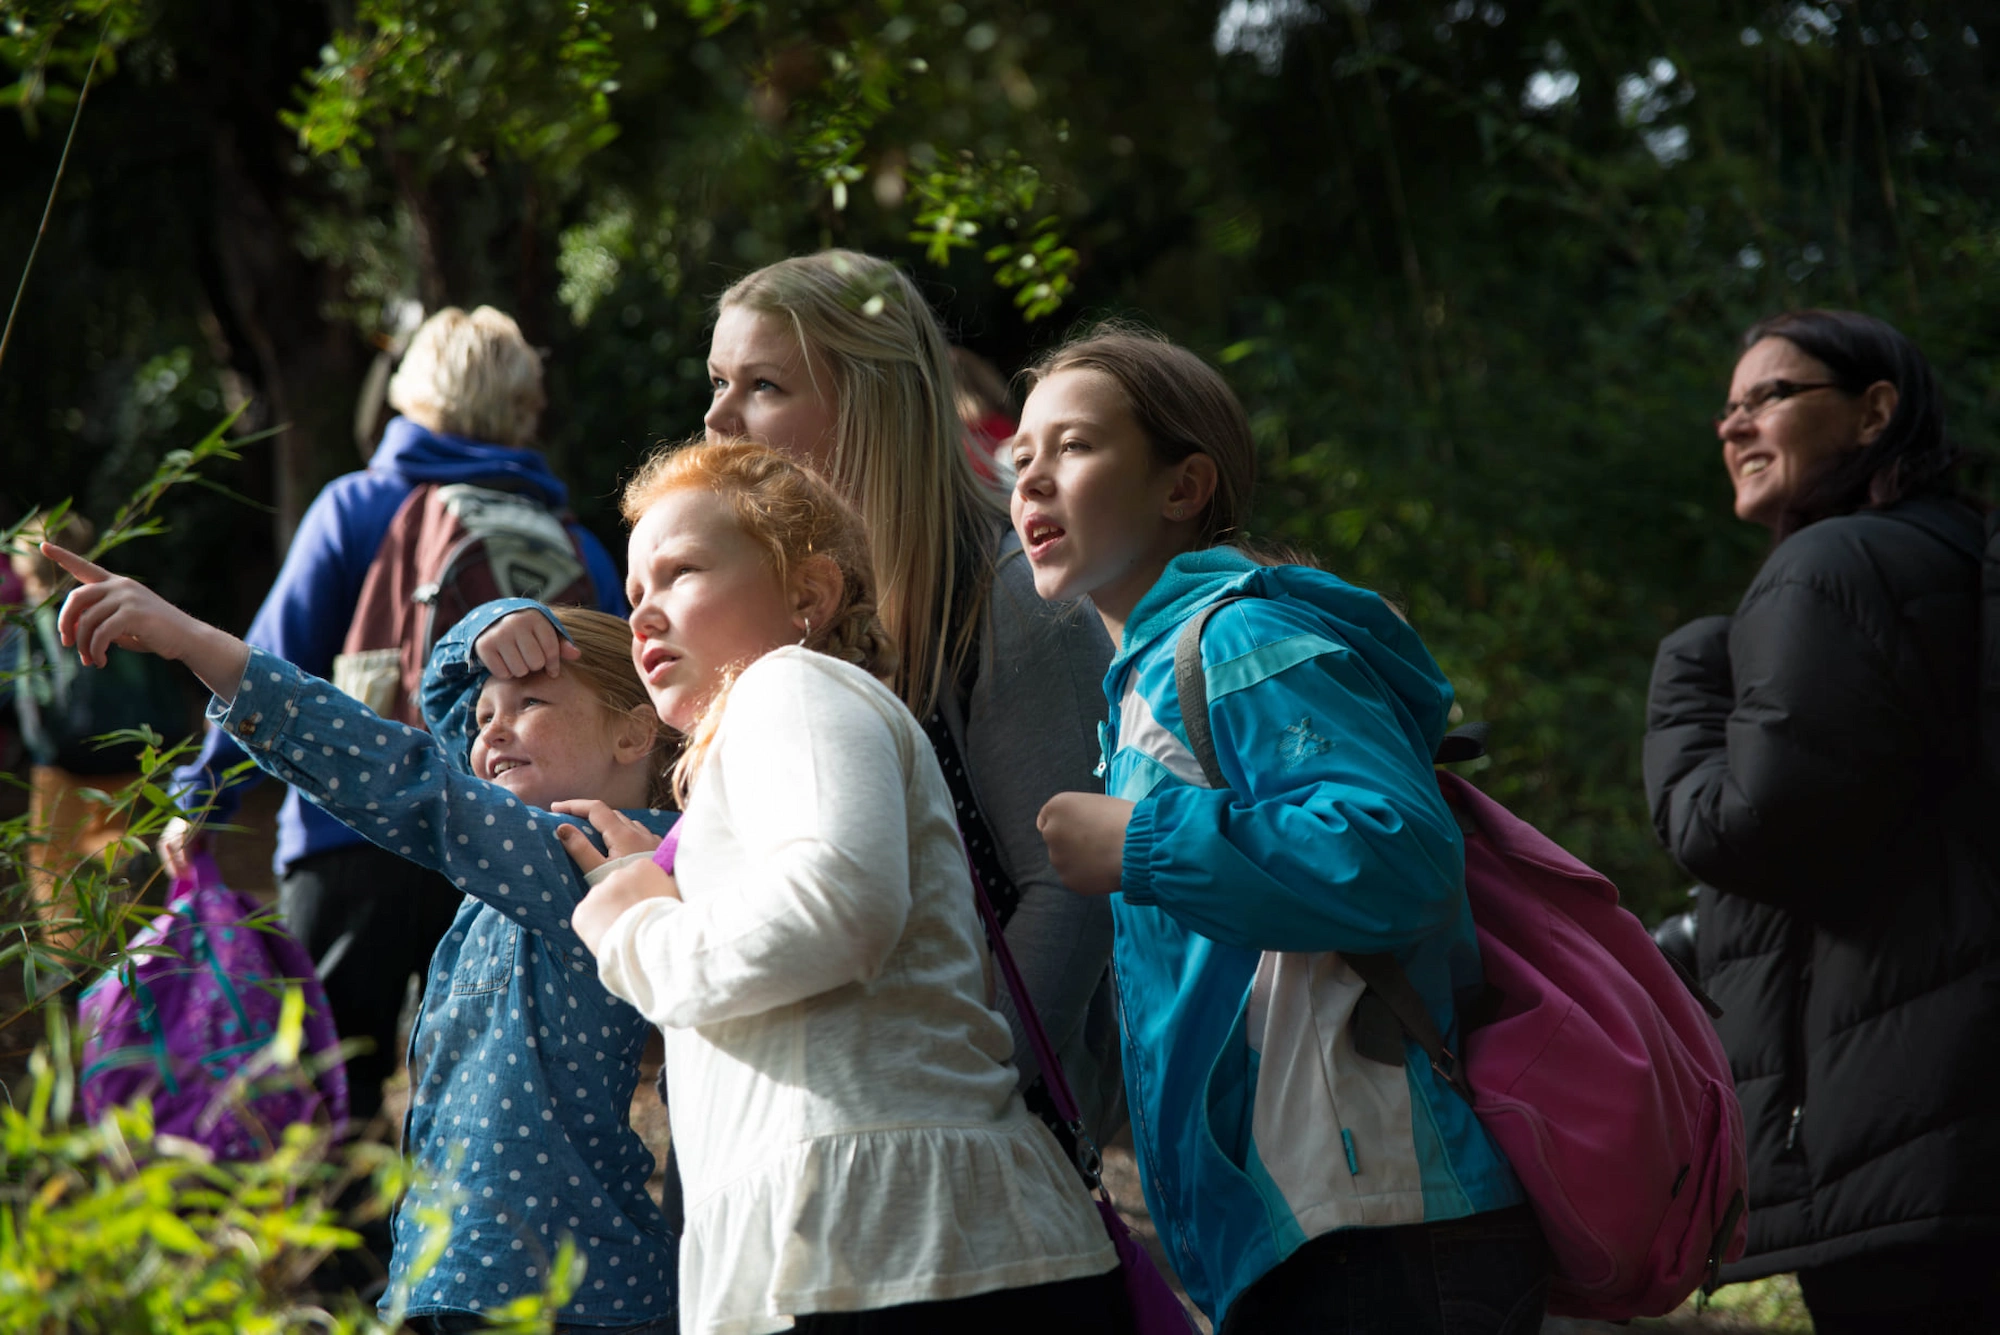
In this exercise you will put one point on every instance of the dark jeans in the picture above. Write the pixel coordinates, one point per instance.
(1487, 1274)
(1944, 1289)
(369, 919)
(1094, 1305)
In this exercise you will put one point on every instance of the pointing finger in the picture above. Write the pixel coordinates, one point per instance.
(87, 571)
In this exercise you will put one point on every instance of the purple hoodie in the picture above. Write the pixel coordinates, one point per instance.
(305, 616)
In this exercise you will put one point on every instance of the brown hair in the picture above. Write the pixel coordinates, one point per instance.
(898, 453)
(793, 515)
(606, 668)
(1183, 405)
(979, 389)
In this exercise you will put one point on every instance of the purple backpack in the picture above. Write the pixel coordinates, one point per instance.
(179, 1025)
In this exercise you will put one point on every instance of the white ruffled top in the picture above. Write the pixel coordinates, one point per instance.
(848, 1129)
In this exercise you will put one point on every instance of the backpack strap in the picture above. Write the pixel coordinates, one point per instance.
(1391, 1006)
(1191, 685)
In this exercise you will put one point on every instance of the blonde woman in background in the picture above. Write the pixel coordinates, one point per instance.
(836, 360)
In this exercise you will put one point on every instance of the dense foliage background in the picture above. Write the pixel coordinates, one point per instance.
(1476, 268)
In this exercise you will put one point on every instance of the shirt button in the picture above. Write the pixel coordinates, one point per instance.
(247, 727)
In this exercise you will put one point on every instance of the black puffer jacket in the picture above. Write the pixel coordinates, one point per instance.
(1813, 761)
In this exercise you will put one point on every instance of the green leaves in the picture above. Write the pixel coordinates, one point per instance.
(450, 82)
(112, 1226)
(49, 44)
(473, 87)
(1040, 269)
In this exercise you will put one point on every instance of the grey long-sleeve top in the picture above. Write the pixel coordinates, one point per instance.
(1028, 733)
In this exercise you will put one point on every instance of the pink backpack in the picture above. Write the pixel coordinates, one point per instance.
(1598, 1074)
(1600, 1077)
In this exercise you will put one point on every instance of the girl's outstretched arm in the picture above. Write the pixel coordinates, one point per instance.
(106, 609)
(392, 784)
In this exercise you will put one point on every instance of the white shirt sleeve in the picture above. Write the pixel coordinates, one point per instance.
(811, 780)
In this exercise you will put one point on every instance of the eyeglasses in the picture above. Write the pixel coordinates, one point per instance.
(1762, 395)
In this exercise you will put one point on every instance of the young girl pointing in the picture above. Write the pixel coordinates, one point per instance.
(522, 1065)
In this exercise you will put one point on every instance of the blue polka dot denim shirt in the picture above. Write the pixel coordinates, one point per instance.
(522, 1065)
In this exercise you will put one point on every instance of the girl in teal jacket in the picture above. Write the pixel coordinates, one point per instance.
(1298, 1185)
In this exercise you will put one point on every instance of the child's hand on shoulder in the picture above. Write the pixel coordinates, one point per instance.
(623, 836)
(1085, 834)
(521, 644)
(623, 888)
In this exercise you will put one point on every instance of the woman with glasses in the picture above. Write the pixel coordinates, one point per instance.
(1820, 762)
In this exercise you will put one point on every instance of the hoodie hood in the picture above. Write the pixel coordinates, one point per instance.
(1361, 619)
(417, 455)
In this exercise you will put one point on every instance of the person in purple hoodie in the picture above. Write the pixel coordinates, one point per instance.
(469, 392)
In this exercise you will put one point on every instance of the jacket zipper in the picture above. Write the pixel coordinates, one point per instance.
(1799, 1056)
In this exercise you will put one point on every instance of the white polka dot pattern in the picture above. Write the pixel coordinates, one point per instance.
(521, 1159)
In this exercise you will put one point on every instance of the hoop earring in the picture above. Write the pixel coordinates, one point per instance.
(809, 631)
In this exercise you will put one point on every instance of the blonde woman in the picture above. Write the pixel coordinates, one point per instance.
(836, 360)
(470, 393)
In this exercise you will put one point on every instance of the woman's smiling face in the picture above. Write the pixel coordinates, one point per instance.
(705, 601)
(1774, 452)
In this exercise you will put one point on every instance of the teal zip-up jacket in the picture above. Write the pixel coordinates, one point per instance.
(1257, 1124)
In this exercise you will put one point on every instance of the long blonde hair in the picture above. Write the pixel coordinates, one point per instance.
(898, 455)
(605, 665)
(793, 515)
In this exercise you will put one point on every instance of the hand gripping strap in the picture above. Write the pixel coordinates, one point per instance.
(1389, 988)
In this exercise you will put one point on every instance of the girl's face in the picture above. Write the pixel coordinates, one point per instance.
(767, 388)
(549, 739)
(1097, 516)
(705, 600)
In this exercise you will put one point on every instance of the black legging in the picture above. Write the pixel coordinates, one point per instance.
(1946, 1288)
(1485, 1274)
